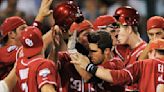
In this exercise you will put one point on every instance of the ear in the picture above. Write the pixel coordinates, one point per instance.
(130, 30)
(107, 51)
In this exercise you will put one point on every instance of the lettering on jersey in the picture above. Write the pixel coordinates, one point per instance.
(75, 84)
(160, 68)
(160, 78)
(11, 48)
(23, 73)
(44, 72)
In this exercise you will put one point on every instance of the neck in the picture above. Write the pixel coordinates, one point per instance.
(134, 41)
(11, 42)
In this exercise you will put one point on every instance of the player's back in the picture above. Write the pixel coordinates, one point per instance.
(32, 75)
(152, 75)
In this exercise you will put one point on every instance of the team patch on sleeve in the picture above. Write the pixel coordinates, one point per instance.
(44, 72)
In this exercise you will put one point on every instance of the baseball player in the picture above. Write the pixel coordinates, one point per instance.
(155, 30)
(35, 74)
(155, 27)
(109, 24)
(100, 44)
(128, 18)
(10, 33)
(71, 81)
(148, 73)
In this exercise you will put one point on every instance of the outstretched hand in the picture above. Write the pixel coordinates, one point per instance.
(44, 10)
(57, 36)
(79, 59)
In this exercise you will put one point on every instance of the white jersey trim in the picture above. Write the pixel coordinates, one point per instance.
(129, 74)
(26, 64)
(44, 82)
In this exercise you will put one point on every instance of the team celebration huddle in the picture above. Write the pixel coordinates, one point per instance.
(80, 55)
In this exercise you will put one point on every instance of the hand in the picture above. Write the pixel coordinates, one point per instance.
(44, 10)
(72, 41)
(57, 36)
(80, 60)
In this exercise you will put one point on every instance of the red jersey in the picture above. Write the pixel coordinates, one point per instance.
(132, 55)
(103, 86)
(119, 51)
(148, 73)
(7, 59)
(34, 73)
(71, 81)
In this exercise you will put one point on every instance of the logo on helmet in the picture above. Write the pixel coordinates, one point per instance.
(29, 42)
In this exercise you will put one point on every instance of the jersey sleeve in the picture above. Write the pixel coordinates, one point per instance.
(114, 64)
(47, 74)
(127, 75)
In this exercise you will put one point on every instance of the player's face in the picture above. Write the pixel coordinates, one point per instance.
(123, 35)
(95, 54)
(156, 33)
(83, 39)
(113, 31)
(18, 32)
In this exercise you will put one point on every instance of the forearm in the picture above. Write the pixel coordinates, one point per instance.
(48, 88)
(47, 39)
(144, 54)
(83, 73)
(104, 74)
(11, 78)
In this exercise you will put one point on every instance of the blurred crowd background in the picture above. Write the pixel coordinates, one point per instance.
(91, 9)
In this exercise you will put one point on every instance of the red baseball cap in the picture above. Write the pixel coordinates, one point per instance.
(103, 21)
(31, 39)
(10, 24)
(157, 44)
(155, 22)
(86, 24)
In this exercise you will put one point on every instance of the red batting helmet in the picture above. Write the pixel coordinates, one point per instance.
(155, 22)
(66, 13)
(127, 15)
(31, 39)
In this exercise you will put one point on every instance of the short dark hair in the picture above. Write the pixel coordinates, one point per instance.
(101, 38)
(6, 38)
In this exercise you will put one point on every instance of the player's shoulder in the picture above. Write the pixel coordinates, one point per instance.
(47, 62)
(8, 48)
(153, 61)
